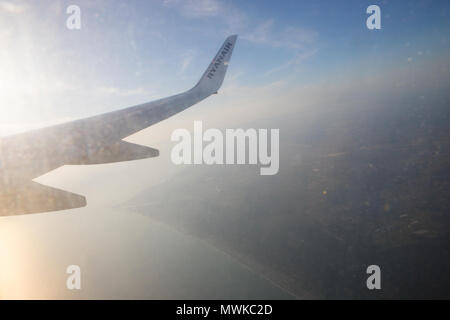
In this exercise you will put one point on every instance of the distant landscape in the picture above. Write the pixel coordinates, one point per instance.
(357, 186)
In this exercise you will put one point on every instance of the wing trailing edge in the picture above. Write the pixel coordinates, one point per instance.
(36, 198)
(116, 152)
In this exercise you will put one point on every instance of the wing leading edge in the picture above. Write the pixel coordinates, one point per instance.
(94, 140)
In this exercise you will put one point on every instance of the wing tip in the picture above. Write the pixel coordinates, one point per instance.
(214, 75)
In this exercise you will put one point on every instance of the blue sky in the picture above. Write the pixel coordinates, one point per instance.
(129, 52)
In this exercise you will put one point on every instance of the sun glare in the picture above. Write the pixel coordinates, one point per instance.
(13, 262)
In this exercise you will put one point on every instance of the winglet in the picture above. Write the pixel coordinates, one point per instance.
(213, 77)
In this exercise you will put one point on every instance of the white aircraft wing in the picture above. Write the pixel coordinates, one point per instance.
(94, 140)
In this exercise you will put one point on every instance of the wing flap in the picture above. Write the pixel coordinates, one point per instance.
(116, 152)
(36, 198)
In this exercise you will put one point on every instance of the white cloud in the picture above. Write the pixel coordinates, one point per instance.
(237, 21)
(5, 33)
(298, 59)
(122, 92)
(290, 37)
(196, 8)
(186, 59)
(261, 34)
(234, 18)
(12, 7)
(301, 41)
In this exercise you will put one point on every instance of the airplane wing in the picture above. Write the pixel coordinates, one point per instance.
(95, 140)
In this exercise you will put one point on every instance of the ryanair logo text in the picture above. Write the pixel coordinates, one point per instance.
(226, 48)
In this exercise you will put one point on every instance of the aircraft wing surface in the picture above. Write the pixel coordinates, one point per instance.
(94, 140)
